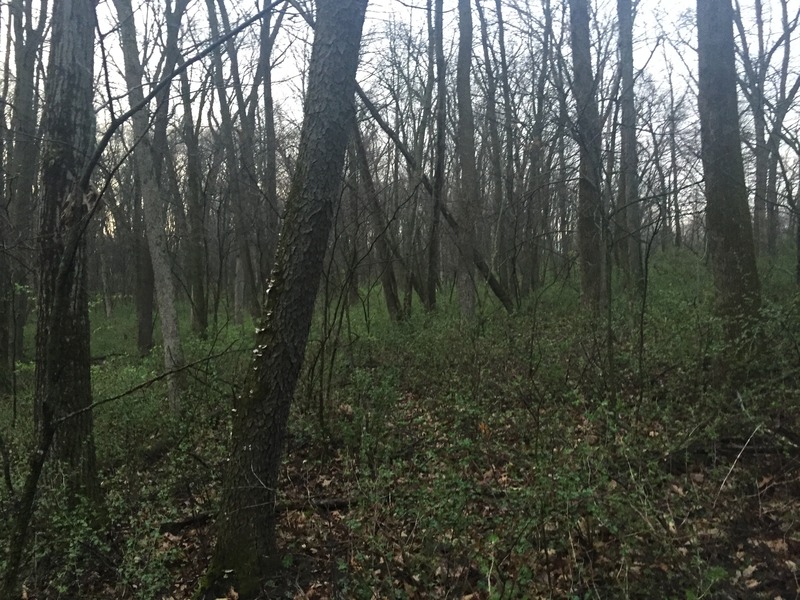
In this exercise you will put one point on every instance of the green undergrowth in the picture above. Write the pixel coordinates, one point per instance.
(546, 454)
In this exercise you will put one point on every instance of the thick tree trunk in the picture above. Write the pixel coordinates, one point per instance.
(590, 208)
(246, 545)
(63, 384)
(730, 234)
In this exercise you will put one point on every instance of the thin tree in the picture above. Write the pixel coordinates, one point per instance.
(148, 156)
(629, 159)
(246, 546)
(434, 244)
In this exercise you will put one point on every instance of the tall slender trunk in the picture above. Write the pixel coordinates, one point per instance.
(434, 242)
(196, 212)
(465, 146)
(629, 168)
(590, 208)
(148, 168)
(239, 161)
(386, 262)
(23, 159)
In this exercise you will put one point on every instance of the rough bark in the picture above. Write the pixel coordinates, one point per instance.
(63, 384)
(246, 552)
(730, 235)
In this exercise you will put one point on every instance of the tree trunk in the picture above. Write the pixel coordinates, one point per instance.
(629, 159)
(246, 545)
(465, 148)
(144, 280)
(730, 235)
(382, 246)
(152, 195)
(63, 384)
(434, 243)
(23, 157)
(196, 212)
(590, 209)
(238, 162)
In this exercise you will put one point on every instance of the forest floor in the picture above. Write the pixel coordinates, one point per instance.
(541, 455)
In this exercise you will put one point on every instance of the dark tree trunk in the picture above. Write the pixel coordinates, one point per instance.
(246, 545)
(63, 395)
(590, 209)
(730, 234)
(63, 384)
(434, 243)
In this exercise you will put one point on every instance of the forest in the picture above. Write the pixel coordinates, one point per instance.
(399, 299)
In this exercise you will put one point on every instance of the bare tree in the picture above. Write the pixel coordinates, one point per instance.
(148, 169)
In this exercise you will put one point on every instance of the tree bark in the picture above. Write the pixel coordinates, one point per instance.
(465, 148)
(63, 384)
(246, 547)
(590, 208)
(730, 234)
(629, 159)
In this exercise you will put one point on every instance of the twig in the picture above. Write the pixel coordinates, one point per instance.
(141, 386)
(738, 456)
